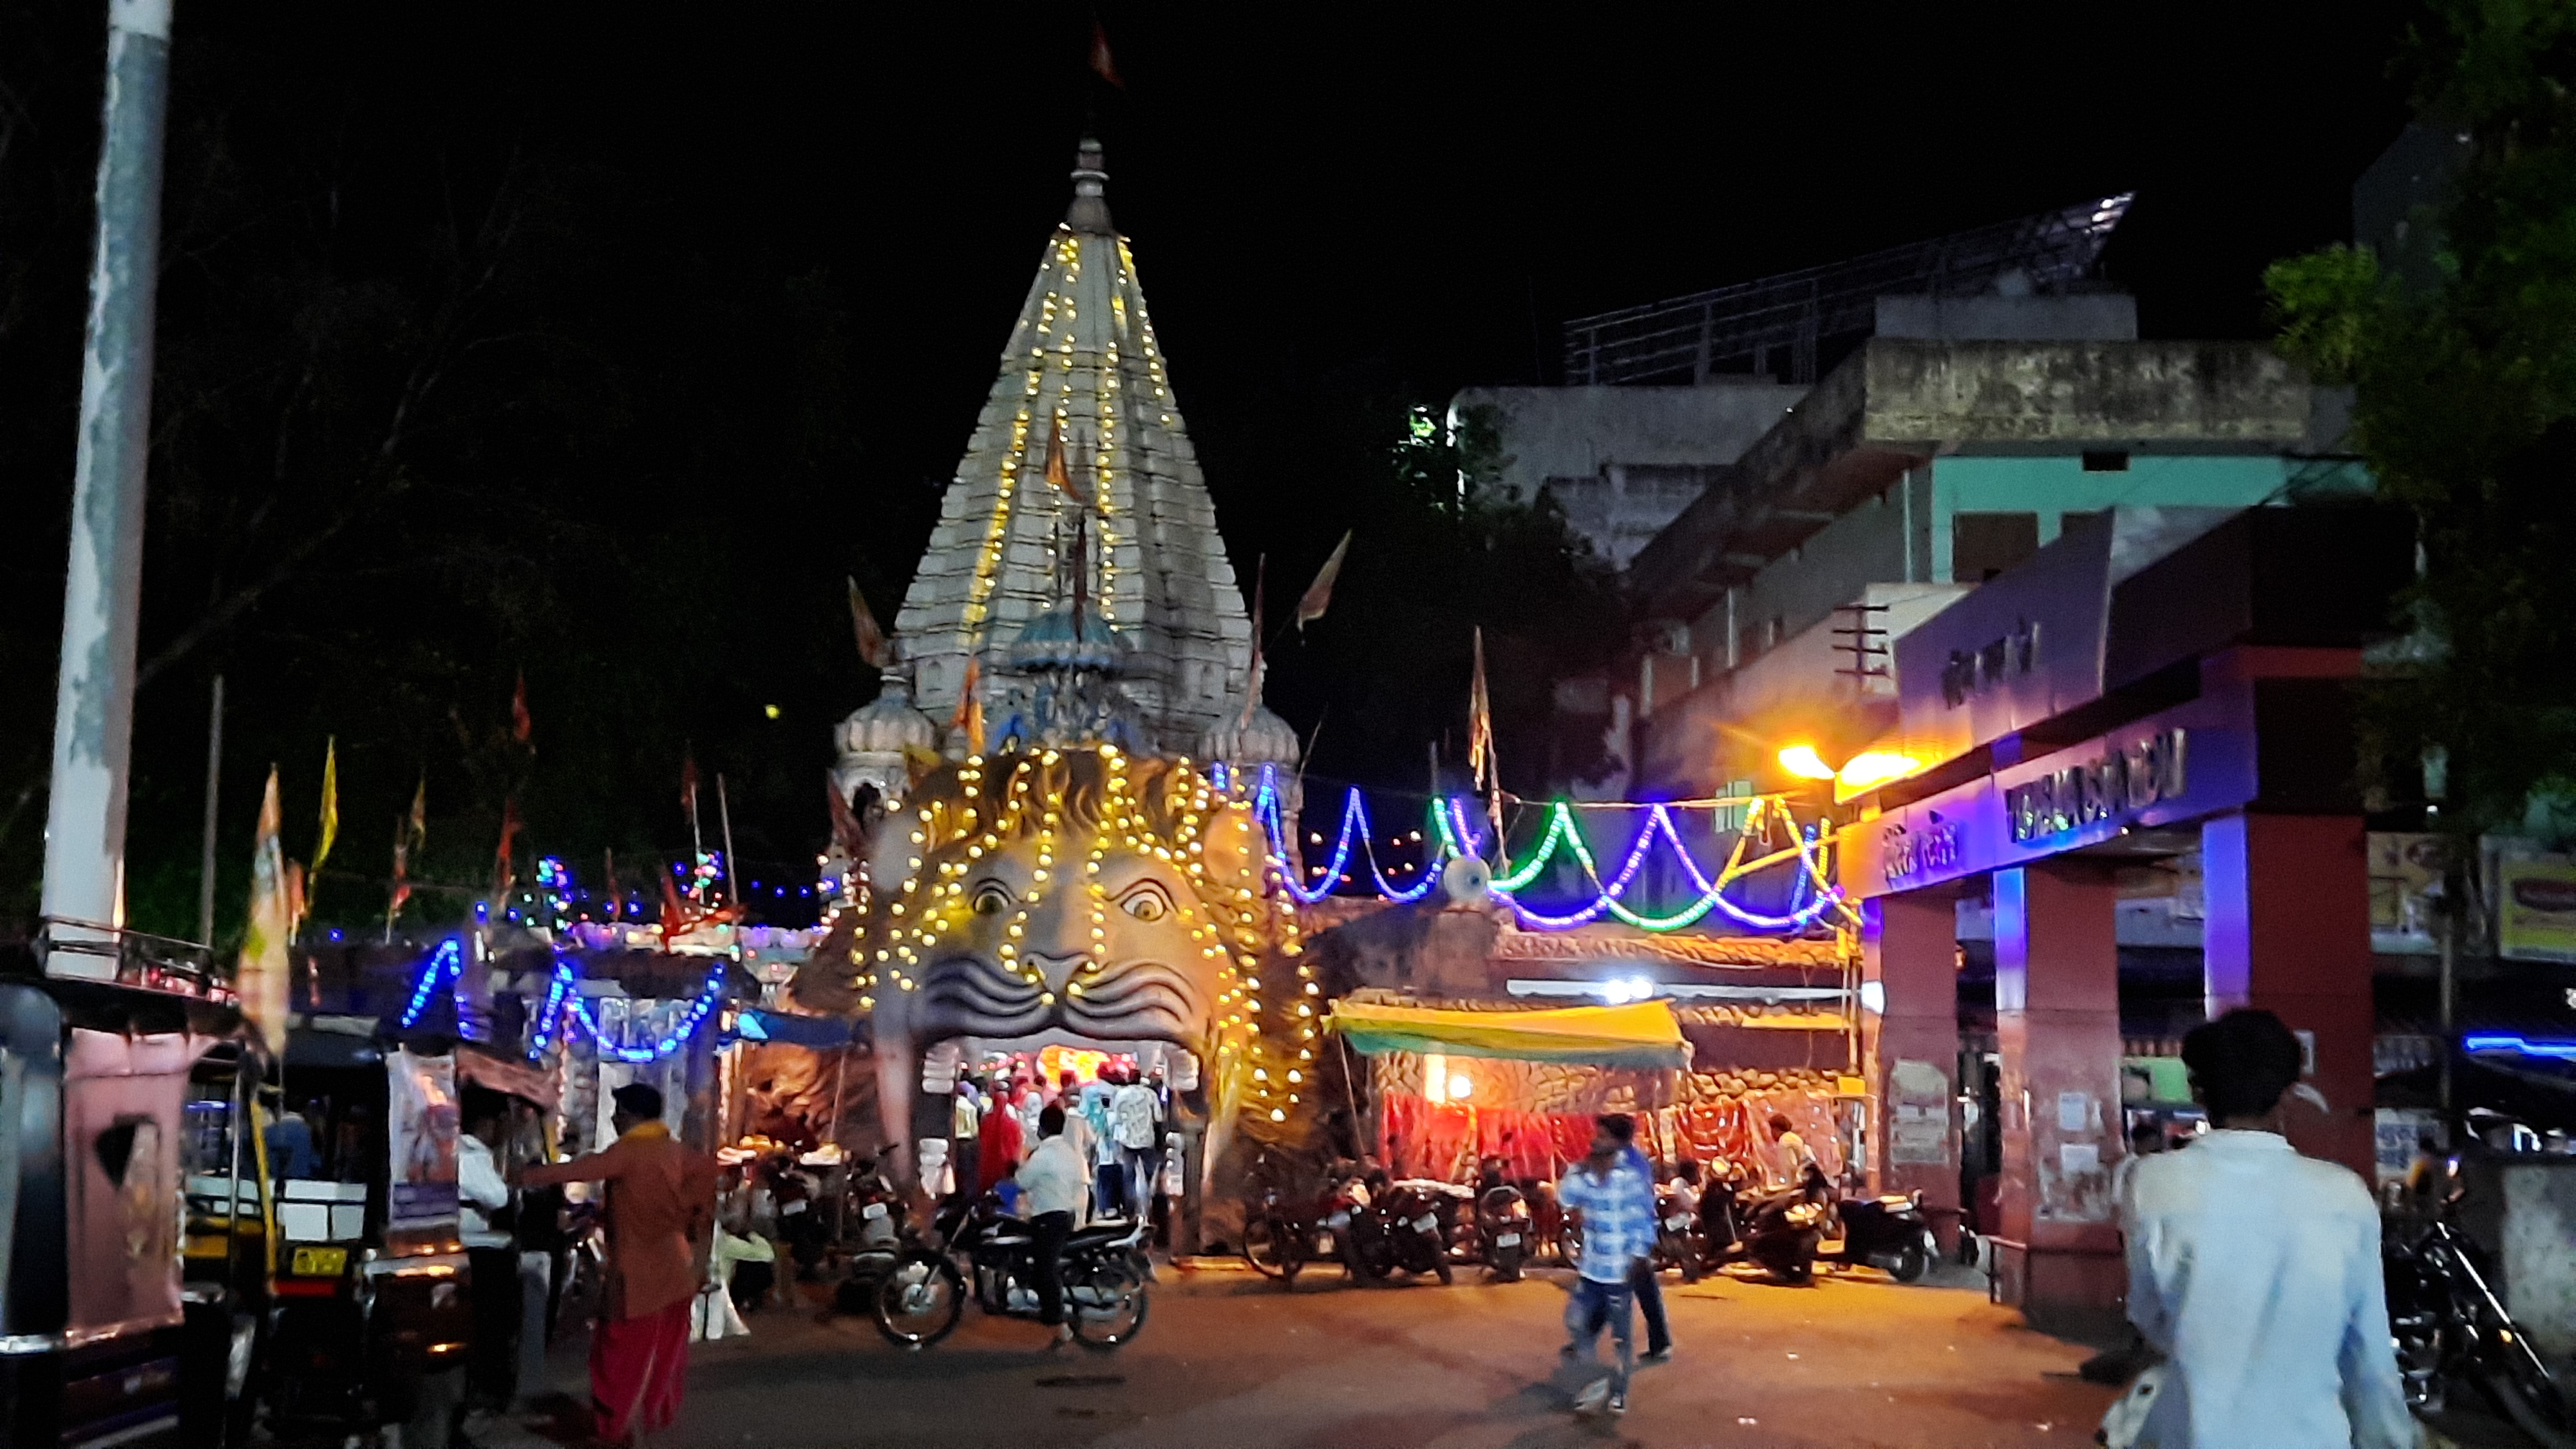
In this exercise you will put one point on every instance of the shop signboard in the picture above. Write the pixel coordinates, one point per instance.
(2536, 908)
(2015, 653)
(2190, 762)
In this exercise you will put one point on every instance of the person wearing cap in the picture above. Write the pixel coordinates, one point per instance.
(661, 1204)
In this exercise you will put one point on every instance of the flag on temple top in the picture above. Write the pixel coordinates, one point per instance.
(872, 640)
(1252, 676)
(689, 783)
(1480, 723)
(502, 871)
(263, 975)
(521, 727)
(1319, 594)
(1102, 63)
(1057, 471)
(970, 707)
(410, 838)
(330, 802)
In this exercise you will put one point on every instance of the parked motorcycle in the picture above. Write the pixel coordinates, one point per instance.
(1777, 1231)
(1504, 1229)
(1416, 1219)
(877, 1210)
(1679, 1241)
(923, 1295)
(1888, 1232)
(2450, 1326)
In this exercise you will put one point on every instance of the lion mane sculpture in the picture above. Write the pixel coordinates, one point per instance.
(1112, 897)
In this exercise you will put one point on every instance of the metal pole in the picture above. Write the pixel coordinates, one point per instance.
(206, 845)
(102, 588)
(2450, 919)
(724, 818)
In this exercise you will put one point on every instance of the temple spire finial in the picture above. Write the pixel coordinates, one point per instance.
(1090, 209)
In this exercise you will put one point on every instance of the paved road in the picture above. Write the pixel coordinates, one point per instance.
(1230, 1360)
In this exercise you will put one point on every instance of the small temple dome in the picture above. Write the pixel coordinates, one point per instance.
(1066, 639)
(888, 724)
(1264, 739)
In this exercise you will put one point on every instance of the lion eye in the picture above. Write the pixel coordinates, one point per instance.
(992, 898)
(1146, 903)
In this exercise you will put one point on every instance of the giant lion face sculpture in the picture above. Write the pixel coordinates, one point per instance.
(1087, 891)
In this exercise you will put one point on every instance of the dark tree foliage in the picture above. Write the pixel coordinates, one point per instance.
(1434, 556)
(2467, 412)
(436, 408)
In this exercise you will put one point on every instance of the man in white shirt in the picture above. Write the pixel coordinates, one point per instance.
(2256, 1271)
(1051, 1183)
(493, 1255)
(1135, 1115)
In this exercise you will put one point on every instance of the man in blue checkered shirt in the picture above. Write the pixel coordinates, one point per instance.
(1617, 1201)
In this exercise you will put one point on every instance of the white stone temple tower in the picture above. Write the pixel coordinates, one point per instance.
(1082, 358)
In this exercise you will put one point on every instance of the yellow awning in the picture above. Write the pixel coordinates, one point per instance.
(1643, 1034)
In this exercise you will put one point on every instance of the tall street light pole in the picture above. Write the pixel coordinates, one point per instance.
(84, 887)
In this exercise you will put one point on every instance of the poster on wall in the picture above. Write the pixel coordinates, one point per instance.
(2536, 908)
(2405, 888)
(421, 1111)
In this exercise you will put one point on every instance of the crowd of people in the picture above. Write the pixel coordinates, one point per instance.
(1117, 1126)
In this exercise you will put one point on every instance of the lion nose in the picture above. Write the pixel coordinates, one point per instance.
(1058, 970)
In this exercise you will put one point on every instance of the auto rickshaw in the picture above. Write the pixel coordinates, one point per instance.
(101, 1340)
(373, 1316)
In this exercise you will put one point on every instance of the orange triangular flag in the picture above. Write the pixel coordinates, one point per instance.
(1319, 594)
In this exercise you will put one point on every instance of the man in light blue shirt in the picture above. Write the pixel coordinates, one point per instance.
(2256, 1270)
(1617, 1201)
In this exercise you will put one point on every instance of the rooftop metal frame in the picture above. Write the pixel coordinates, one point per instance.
(1743, 328)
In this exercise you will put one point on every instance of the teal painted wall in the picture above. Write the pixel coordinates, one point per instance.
(2055, 486)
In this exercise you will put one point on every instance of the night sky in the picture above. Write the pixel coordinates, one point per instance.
(1326, 203)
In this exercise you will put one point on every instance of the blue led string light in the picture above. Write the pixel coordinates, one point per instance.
(1811, 895)
(444, 964)
(671, 1041)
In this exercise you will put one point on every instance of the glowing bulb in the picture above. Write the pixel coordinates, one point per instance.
(1803, 762)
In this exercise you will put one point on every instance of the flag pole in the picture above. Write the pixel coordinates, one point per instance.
(724, 817)
(206, 847)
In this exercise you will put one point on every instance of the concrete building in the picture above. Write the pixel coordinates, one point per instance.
(1621, 461)
(1918, 469)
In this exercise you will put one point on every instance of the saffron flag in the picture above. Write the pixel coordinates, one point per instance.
(330, 802)
(1058, 472)
(689, 784)
(502, 870)
(1102, 63)
(521, 726)
(970, 707)
(263, 976)
(410, 838)
(1480, 723)
(848, 835)
(1319, 594)
(872, 640)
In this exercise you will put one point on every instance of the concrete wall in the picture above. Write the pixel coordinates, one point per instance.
(1579, 432)
(2082, 316)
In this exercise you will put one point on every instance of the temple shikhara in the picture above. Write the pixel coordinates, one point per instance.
(1097, 608)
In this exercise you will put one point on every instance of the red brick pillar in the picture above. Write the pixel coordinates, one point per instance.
(2288, 930)
(2057, 1019)
(1909, 1041)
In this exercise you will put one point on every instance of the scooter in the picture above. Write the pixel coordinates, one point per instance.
(1887, 1232)
(1105, 1296)
(878, 1210)
(1415, 1217)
